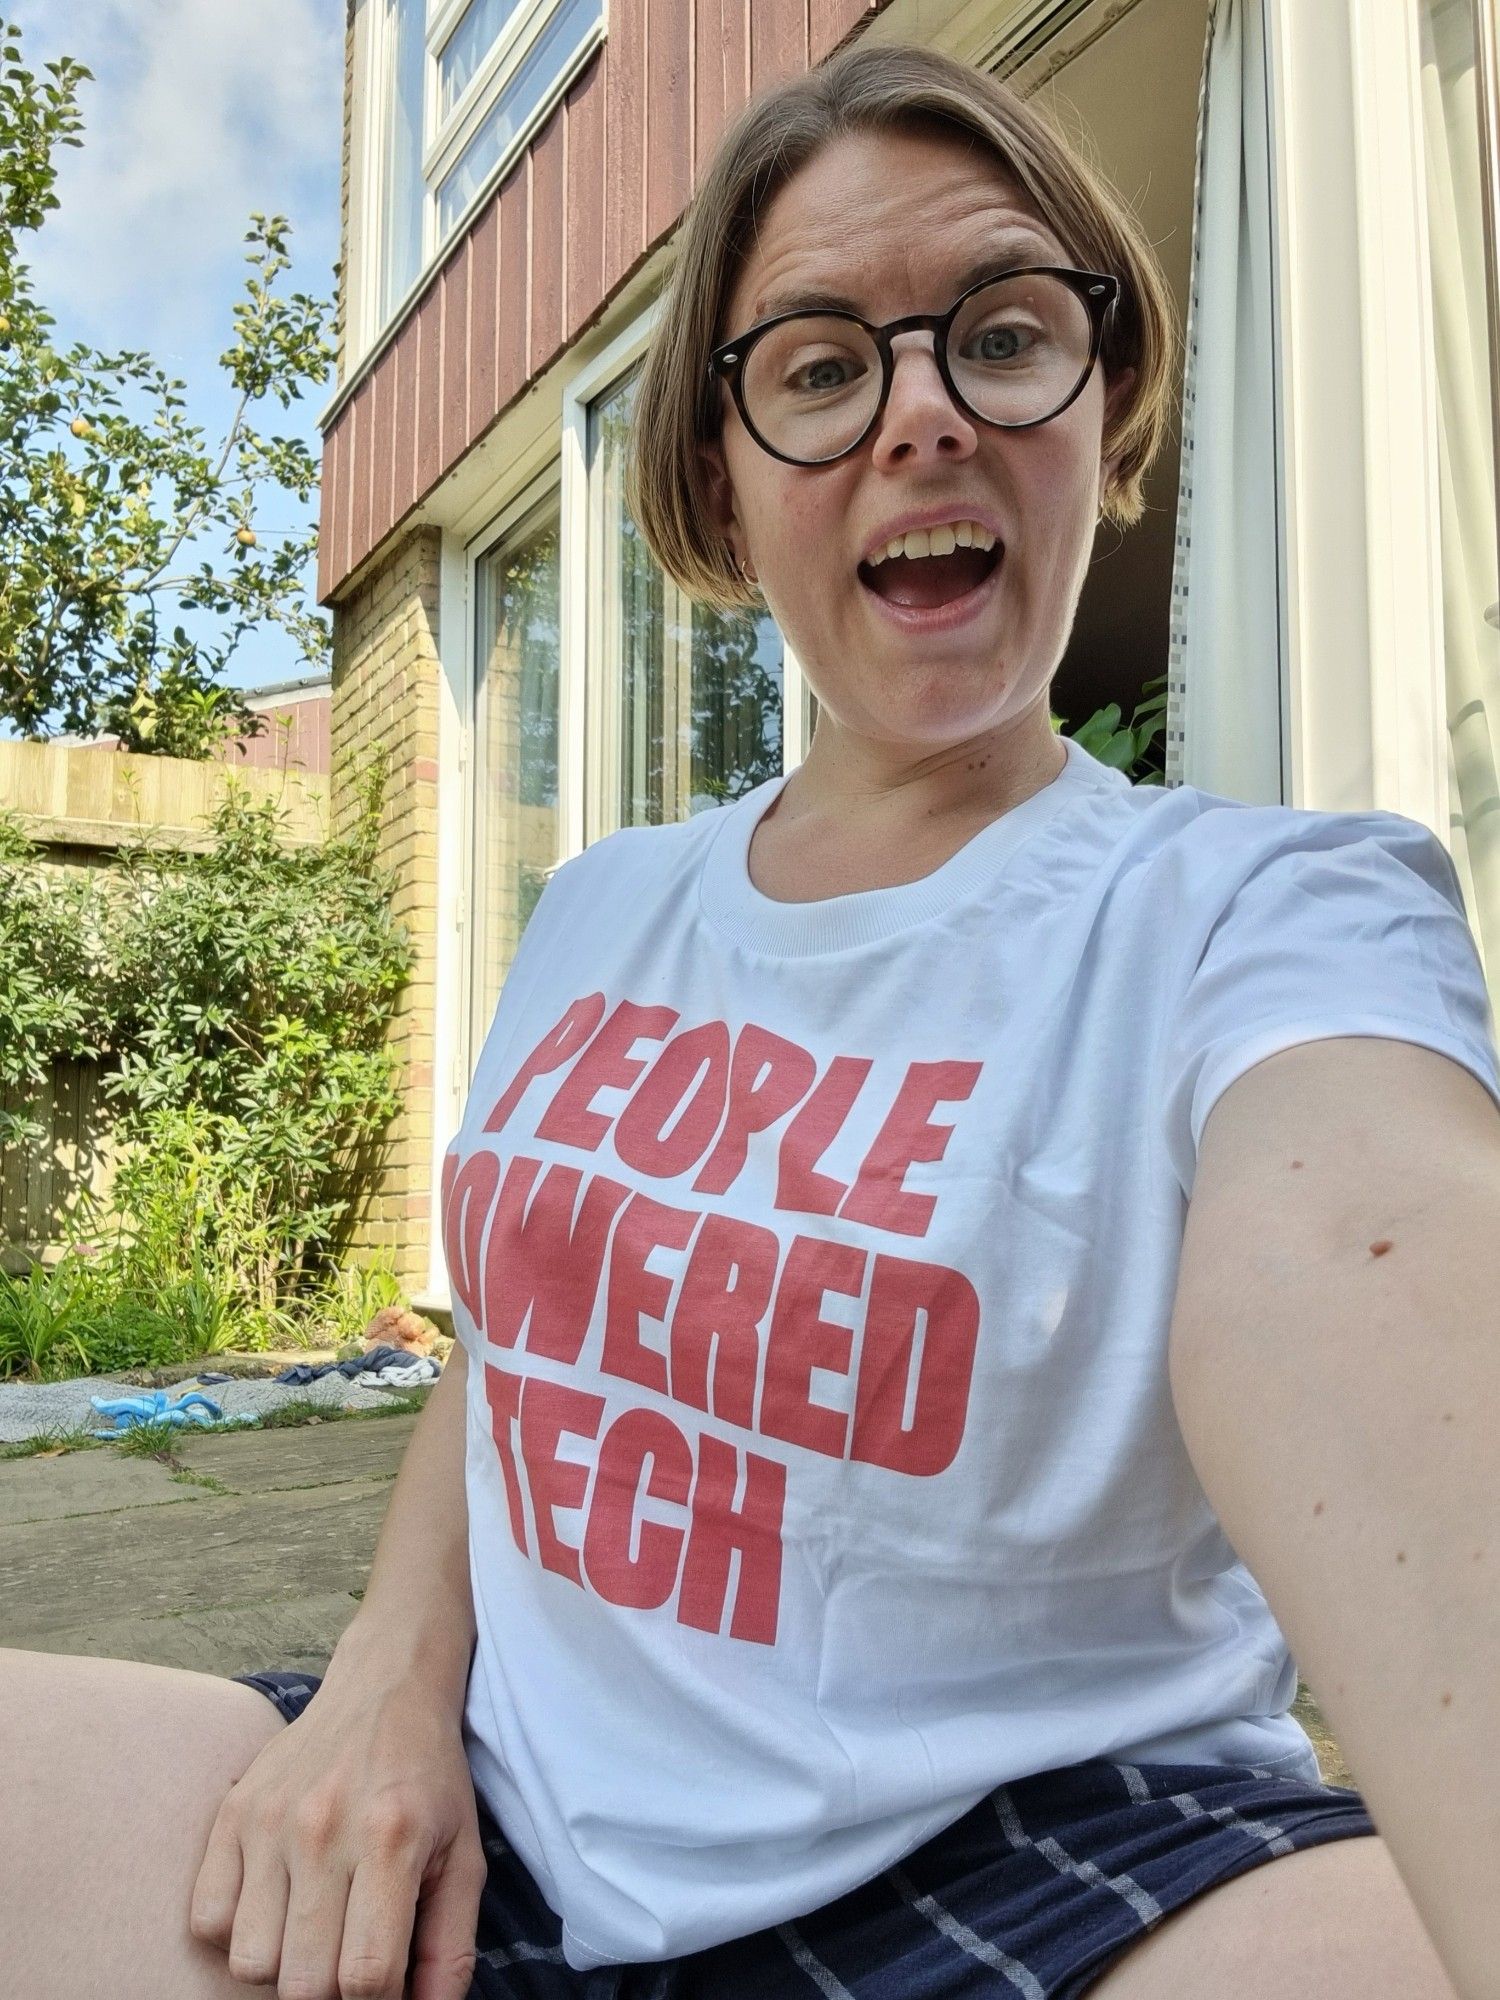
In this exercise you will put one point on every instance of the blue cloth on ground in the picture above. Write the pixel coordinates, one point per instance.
(156, 1408)
(378, 1357)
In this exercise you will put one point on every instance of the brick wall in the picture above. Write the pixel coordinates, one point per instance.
(385, 698)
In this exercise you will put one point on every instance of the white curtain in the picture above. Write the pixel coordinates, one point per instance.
(1466, 461)
(1224, 662)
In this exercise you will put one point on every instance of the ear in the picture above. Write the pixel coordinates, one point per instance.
(723, 515)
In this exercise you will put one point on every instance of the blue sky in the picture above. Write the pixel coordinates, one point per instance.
(200, 112)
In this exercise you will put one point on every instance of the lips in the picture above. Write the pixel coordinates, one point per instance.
(925, 582)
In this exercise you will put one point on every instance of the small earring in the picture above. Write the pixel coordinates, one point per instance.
(748, 574)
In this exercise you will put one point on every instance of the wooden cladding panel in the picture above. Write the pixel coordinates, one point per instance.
(343, 541)
(669, 114)
(361, 459)
(721, 74)
(584, 216)
(484, 321)
(778, 41)
(515, 282)
(454, 385)
(830, 22)
(383, 432)
(625, 124)
(402, 359)
(548, 229)
(605, 178)
(330, 564)
(429, 388)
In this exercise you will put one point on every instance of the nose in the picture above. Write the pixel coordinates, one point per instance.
(920, 418)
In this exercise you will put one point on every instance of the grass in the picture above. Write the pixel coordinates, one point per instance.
(49, 1441)
(159, 1440)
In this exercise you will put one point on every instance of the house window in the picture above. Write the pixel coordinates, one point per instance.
(460, 86)
(401, 193)
(478, 30)
(516, 825)
(568, 33)
(1459, 125)
(691, 698)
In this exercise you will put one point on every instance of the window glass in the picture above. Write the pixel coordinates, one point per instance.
(548, 57)
(516, 824)
(1458, 145)
(466, 48)
(402, 191)
(698, 692)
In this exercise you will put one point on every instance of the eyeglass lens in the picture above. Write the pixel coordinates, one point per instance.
(1016, 352)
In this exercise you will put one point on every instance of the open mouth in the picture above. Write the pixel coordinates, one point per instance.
(921, 583)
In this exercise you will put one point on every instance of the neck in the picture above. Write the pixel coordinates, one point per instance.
(877, 785)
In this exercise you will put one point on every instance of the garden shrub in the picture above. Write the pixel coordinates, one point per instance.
(238, 1000)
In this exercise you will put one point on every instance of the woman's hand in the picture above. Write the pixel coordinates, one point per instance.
(349, 1848)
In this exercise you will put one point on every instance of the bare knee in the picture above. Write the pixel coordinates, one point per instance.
(115, 1775)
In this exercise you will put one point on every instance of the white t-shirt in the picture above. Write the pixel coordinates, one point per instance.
(815, 1263)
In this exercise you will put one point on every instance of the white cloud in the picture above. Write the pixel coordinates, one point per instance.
(201, 110)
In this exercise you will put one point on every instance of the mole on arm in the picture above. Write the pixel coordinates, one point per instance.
(1379, 1249)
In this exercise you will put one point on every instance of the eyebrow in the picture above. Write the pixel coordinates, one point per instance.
(994, 264)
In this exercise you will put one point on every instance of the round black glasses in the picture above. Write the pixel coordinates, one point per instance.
(1013, 351)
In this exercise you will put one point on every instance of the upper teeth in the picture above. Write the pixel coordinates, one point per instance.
(936, 541)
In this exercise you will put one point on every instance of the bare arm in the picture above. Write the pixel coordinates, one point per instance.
(1336, 1371)
(417, 1615)
(349, 1852)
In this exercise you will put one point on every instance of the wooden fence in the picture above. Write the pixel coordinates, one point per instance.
(82, 805)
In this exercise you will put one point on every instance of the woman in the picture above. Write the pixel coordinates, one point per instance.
(845, 1613)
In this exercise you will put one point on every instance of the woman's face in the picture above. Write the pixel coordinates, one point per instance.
(894, 223)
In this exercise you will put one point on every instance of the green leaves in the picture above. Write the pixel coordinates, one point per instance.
(48, 1006)
(1129, 749)
(115, 508)
(239, 999)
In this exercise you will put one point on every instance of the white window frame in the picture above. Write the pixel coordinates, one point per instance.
(368, 334)
(529, 498)
(597, 683)
(1367, 712)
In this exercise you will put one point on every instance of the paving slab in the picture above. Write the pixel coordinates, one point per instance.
(84, 1482)
(109, 1556)
(300, 1634)
(65, 1578)
(304, 1455)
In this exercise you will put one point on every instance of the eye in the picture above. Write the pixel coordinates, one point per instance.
(1003, 343)
(828, 371)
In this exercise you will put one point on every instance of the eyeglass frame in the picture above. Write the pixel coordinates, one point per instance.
(1099, 290)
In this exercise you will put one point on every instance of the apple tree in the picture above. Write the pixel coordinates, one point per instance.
(131, 560)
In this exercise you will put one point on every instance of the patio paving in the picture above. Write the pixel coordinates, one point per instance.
(122, 1557)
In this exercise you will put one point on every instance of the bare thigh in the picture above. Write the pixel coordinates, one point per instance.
(113, 1774)
(1326, 1923)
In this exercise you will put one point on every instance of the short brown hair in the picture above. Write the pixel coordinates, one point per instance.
(875, 87)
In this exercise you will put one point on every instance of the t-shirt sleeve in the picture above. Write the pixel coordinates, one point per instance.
(1318, 925)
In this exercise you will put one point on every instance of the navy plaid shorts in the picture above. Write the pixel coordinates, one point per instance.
(1035, 1892)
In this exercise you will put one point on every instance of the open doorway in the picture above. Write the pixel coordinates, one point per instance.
(1127, 91)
